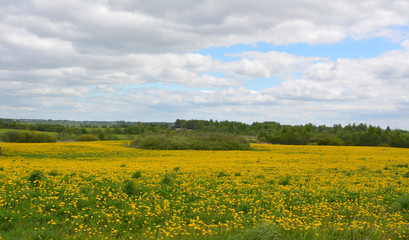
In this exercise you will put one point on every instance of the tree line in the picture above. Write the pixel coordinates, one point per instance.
(78, 132)
(276, 133)
(268, 132)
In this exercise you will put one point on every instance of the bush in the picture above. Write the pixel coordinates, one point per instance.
(263, 140)
(36, 175)
(195, 141)
(27, 137)
(330, 141)
(137, 175)
(88, 137)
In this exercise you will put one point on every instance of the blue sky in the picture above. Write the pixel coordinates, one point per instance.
(347, 48)
(294, 62)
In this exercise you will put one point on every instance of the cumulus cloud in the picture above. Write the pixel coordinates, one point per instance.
(134, 60)
(183, 26)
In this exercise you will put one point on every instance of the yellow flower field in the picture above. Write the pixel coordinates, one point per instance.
(106, 190)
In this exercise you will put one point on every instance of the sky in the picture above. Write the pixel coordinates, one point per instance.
(293, 62)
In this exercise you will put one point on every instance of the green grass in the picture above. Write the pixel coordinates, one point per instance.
(85, 203)
(30, 200)
(2, 130)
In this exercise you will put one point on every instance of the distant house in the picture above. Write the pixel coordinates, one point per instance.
(175, 127)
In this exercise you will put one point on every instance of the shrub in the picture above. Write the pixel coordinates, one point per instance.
(137, 175)
(263, 140)
(330, 141)
(88, 137)
(27, 137)
(195, 141)
(10, 136)
(36, 175)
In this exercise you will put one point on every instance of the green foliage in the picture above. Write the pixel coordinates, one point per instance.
(266, 132)
(168, 180)
(137, 175)
(26, 137)
(273, 132)
(101, 136)
(401, 165)
(36, 175)
(404, 202)
(197, 141)
(53, 173)
(262, 232)
(406, 175)
(130, 188)
(88, 137)
(285, 180)
(222, 174)
(271, 181)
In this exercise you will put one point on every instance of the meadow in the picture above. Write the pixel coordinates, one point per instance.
(108, 190)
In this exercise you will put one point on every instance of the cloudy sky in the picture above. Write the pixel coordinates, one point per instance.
(294, 62)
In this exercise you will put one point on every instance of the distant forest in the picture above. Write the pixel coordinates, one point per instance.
(275, 133)
(266, 132)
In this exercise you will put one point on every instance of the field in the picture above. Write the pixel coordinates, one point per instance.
(2, 130)
(108, 190)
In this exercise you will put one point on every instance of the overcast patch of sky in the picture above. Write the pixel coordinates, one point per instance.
(294, 62)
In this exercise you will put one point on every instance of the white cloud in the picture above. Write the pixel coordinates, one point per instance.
(134, 59)
(24, 40)
(183, 26)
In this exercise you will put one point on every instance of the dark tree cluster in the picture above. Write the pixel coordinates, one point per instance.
(273, 132)
(268, 132)
(26, 137)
